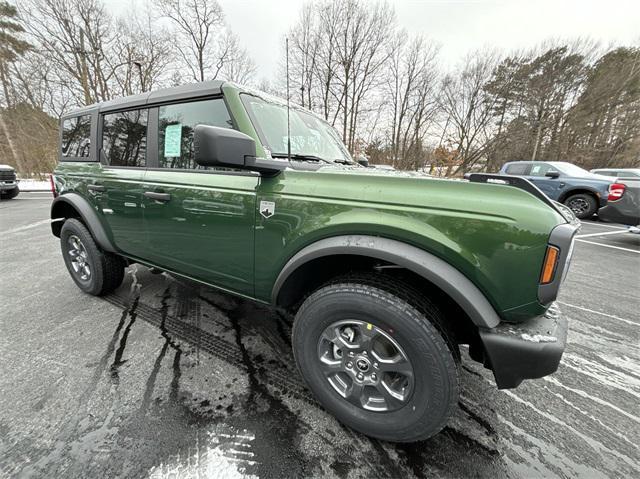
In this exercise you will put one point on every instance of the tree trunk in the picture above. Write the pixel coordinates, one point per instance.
(12, 149)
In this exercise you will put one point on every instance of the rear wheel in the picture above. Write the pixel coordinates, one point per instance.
(583, 205)
(93, 270)
(375, 357)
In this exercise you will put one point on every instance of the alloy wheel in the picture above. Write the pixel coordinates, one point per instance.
(79, 258)
(365, 365)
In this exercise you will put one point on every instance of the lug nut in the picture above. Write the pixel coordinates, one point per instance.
(375, 365)
(374, 377)
(360, 376)
(351, 353)
(364, 353)
(349, 364)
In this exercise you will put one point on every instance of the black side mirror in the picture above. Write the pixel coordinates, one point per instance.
(552, 174)
(215, 146)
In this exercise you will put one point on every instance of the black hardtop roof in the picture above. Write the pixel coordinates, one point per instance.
(191, 90)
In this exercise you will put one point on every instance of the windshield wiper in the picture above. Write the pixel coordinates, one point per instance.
(300, 157)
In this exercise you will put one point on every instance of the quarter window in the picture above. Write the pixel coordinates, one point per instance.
(176, 124)
(124, 138)
(76, 137)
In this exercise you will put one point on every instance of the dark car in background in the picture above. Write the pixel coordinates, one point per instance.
(580, 190)
(630, 173)
(8, 183)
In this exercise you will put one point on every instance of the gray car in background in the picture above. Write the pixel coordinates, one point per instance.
(626, 209)
(630, 173)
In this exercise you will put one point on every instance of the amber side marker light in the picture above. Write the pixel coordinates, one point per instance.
(549, 267)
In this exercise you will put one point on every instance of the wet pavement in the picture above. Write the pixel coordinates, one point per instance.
(165, 378)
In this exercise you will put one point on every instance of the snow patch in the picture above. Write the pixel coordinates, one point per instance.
(539, 338)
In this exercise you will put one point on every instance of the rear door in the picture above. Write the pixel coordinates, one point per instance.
(200, 222)
(117, 186)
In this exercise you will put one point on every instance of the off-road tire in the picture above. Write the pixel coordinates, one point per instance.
(590, 203)
(414, 322)
(107, 269)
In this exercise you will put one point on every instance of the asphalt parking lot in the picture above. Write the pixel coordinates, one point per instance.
(167, 379)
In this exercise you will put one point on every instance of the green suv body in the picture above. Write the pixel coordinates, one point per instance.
(386, 272)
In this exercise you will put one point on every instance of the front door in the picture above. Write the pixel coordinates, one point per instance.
(199, 222)
(549, 186)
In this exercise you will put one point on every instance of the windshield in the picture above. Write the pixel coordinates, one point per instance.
(310, 136)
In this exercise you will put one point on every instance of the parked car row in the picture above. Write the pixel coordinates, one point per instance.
(614, 198)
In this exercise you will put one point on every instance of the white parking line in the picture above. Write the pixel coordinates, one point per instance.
(601, 314)
(584, 223)
(603, 234)
(26, 227)
(610, 246)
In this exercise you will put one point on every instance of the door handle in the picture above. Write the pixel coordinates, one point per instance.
(157, 196)
(96, 188)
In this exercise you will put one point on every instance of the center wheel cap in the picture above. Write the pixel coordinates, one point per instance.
(362, 364)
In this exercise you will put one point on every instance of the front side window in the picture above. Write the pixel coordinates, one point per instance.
(541, 169)
(76, 136)
(310, 136)
(124, 138)
(175, 130)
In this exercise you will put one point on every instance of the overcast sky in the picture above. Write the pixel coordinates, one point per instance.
(459, 26)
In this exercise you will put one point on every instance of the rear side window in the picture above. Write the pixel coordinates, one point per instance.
(124, 138)
(76, 137)
(517, 169)
(175, 130)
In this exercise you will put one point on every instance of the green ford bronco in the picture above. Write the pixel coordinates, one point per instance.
(387, 273)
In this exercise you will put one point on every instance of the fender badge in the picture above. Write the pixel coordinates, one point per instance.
(267, 208)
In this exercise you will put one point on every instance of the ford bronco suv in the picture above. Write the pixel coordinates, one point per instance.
(387, 273)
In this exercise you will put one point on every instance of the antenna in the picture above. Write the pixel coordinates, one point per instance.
(288, 122)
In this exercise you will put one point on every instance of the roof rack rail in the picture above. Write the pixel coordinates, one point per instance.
(515, 181)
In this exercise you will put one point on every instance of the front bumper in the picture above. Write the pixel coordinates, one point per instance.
(8, 186)
(526, 350)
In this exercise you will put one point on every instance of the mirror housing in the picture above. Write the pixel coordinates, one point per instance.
(552, 174)
(216, 146)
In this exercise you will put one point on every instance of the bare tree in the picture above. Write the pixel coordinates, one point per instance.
(237, 65)
(411, 96)
(468, 108)
(142, 55)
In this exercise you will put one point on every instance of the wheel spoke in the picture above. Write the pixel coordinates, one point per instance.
(390, 398)
(353, 394)
(329, 366)
(333, 336)
(87, 270)
(73, 253)
(396, 365)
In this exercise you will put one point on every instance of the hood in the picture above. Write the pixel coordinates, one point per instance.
(401, 190)
(6, 168)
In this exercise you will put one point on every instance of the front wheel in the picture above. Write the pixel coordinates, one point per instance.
(373, 356)
(583, 205)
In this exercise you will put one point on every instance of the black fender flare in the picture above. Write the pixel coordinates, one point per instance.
(88, 215)
(439, 272)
